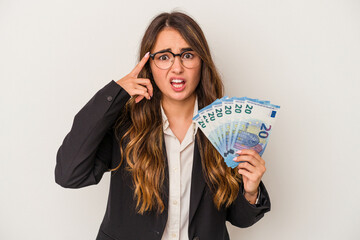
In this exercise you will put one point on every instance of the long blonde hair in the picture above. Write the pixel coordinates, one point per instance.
(144, 151)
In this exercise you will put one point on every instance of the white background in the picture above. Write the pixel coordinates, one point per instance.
(302, 55)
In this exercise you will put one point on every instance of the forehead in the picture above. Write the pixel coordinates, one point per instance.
(169, 38)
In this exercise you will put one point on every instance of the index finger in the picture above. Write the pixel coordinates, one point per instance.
(135, 72)
(250, 152)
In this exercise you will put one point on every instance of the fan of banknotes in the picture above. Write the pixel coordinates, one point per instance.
(232, 124)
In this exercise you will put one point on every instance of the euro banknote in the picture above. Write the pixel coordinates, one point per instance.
(232, 124)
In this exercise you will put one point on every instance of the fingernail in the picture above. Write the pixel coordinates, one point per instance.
(235, 158)
(238, 152)
(147, 54)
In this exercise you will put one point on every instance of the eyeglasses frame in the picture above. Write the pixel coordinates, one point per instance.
(179, 54)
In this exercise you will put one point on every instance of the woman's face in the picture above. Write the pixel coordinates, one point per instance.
(168, 80)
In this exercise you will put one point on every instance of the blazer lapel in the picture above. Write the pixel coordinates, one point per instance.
(197, 183)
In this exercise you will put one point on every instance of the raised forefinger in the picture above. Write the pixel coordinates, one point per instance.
(135, 72)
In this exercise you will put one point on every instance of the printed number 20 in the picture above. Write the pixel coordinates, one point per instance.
(264, 134)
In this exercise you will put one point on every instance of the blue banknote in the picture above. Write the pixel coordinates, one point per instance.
(232, 124)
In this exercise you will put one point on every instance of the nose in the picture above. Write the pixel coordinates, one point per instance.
(177, 66)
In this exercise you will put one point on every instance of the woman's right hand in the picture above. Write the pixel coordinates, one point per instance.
(137, 86)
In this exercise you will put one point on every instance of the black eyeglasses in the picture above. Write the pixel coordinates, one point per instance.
(165, 59)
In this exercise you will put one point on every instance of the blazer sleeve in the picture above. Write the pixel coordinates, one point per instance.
(243, 214)
(86, 151)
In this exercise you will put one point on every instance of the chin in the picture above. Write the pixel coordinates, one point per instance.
(181, 96)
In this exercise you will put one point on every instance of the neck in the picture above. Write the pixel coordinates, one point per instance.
(179, 110)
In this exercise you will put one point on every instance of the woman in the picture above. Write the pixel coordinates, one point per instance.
(167, 180)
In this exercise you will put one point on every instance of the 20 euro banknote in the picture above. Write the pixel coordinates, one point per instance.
(232, 124)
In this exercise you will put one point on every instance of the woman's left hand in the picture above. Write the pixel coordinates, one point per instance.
(252, 171)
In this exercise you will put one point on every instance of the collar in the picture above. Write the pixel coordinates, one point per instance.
(166, 121)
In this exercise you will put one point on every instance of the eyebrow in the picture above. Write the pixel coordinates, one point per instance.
(182, 49)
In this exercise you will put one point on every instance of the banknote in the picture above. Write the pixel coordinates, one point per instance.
(232, 124)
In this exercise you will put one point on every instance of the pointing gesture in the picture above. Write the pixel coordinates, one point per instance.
(137, 86)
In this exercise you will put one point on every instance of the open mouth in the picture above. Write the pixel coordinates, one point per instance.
(177, 83)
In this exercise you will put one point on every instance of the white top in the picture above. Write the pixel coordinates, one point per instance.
(180, 161)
